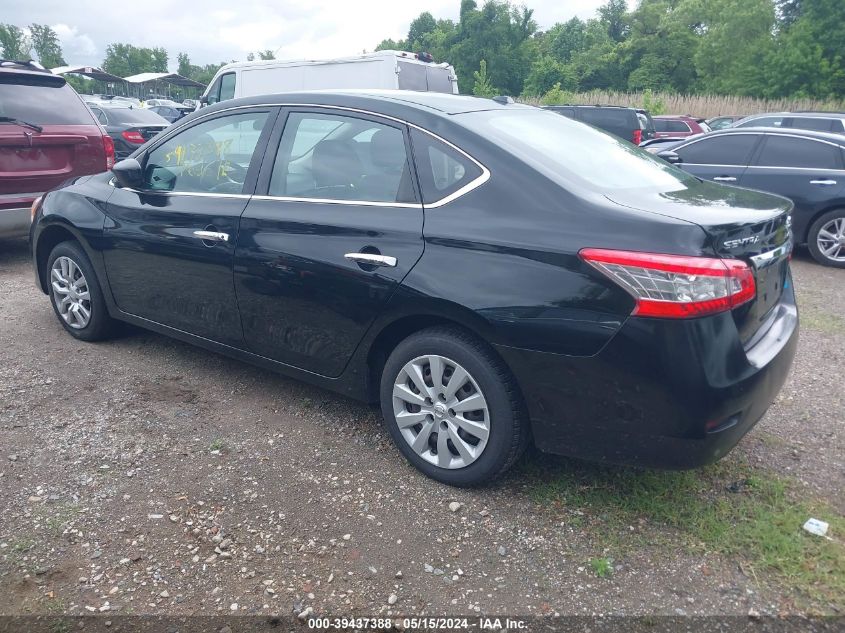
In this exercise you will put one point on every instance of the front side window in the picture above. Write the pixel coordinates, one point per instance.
(442, 170)
(211, 157)
(733, 149)
(336, 157)
(785, 151)
(227, 86)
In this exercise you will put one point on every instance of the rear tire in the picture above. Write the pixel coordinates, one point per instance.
(827, 233)
(468, 427)
(75, 294)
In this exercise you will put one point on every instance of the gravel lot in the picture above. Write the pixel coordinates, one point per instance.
(143, 475)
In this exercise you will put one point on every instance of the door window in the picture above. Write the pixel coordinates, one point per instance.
(785, 151)
(101, 116)
(211, 157)
(335, 157)
(732, 149)
(227, 86)
(808, 123)
(442, 170)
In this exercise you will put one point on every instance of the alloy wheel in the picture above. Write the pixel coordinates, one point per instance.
(831, 239)
(70, 292)
(441, 411)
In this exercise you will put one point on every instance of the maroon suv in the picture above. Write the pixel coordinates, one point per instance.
(678, 126)
(47, 135)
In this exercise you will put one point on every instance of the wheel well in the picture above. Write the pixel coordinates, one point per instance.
(47, 241)
(812, 220)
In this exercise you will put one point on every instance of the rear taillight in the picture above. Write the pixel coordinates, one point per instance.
(638, 137)
(133, 136)
(676, 286)
(108, 146)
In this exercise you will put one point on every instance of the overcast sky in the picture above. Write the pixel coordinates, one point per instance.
(222, 30)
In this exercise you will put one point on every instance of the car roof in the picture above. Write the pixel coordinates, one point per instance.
(427, 101)
(789, 131)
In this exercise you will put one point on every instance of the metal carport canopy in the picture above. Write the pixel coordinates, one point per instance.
(91, 72)
(169, 78)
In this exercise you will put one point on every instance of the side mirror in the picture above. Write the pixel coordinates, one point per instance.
(204, 100)
(670, 157)
(128, 173)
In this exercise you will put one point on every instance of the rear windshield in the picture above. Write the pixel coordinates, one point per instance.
(42, 103)
(117, 116)
(571, 153)
(670, 125)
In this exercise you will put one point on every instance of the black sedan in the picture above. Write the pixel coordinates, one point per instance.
(129, 127)
(171, 113)
(806, 167)
(493, 274)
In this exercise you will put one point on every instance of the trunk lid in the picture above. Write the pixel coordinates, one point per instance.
(741, 224)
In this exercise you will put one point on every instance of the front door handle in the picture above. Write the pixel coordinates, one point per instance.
(724, 179)
(212, 236)
(823, 183)
(371, 259)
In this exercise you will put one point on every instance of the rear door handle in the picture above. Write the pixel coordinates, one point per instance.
(371, 259)
(823, 183)
(212, 236)
(724, 179)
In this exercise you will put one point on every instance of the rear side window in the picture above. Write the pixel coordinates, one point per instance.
(808, 123)
(785, 151)
(610, 119)
(441, 169)
(35, 100)
(669, 125)
(734, 149)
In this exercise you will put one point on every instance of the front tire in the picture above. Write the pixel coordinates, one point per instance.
(826, 239)
(76, 295)
(452, 407)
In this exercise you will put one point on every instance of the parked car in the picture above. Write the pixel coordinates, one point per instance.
(628, 312)
(170, 113)
(627, 123)
(723, 121)
(678, 126)
(807, 167)
(390, 70)
(47, 135)
(129, 127)
(161, 102)
(819, 121)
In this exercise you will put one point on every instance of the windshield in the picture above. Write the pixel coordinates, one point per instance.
(117, 116)
(572, 153)
(42, 103)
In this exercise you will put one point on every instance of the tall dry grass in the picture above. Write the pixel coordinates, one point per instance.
(697, 105)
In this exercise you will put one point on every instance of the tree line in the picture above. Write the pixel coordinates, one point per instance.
(755, 48)
(40, 42)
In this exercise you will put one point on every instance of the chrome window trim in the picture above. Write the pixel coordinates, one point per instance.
(473, 184)
(357, 203)
(194, 194)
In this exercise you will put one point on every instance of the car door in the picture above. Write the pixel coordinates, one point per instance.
(807, 171)
(337, 227)
(169, 247)
(721, 158)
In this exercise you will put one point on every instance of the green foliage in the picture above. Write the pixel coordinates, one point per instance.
(13, 42)
(654, 105)
(602, 567)
(46, 45)
(265, 54)
(482, 86)
(755, 48)
(124, 60)
(555, 96)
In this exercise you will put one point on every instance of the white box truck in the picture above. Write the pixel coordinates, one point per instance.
(380, 70)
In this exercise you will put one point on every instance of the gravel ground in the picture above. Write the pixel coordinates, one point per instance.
(143, 475)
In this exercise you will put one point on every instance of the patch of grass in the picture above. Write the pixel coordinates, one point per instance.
(57, 607)
(217, 445)
(602, 567)
(59, 517)
(822, 321)
(727, 508)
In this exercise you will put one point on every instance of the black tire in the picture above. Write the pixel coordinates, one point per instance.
(100, 325)
(813, 238)
(508, 424)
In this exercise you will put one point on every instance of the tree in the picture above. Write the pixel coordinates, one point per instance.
(46, 45)
(14, 42)
(613, 16)
(125, 60)
(420, 27)
(185, 68)
(482, 86)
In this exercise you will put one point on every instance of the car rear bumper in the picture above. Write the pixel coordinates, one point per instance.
(14, 222)
(665, 394)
